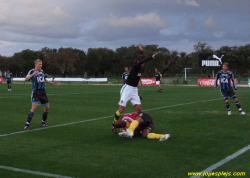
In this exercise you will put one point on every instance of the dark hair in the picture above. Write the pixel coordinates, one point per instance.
(119, 124)
(140, 57)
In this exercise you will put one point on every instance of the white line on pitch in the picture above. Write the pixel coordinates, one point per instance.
(227, 159)
(181, 104)
(33, 172)
(61, 125)
(89, 120)
(51, 94)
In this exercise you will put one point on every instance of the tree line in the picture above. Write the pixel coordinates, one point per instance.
(104, 62)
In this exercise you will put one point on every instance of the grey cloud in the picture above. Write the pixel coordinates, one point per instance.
(112, 23)
(211, 23)
(43, 21)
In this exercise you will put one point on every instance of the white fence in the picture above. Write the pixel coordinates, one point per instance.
(69, 79)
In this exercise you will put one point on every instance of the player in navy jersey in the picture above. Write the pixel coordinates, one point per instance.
(129, 91)
(225, 77)
(125, 76)
(9, 79)
(38, 93)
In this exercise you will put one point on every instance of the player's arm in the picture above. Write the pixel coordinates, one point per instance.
(147, 59)
(160, 76)
(30, 75)
(234, 83)
(141, 49)
(215, 81)
(123, 79)
(52, 83)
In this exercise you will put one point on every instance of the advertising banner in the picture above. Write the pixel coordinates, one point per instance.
(210, 60)
(1, 79)
(210, 82)
(147, 81)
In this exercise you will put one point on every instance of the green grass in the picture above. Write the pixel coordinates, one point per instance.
(201, 133)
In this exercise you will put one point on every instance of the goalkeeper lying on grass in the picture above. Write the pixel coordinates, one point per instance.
(131, 124)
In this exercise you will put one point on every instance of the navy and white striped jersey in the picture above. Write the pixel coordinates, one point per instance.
(9, 77)
(225, 80)
(38, 80)
(125, 76)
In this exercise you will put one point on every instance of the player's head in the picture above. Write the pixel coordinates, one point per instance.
(225, 66)
(119, 124)
(139, 58)
(156, 70)
(126, 69)
(8, 71)
(38, 64)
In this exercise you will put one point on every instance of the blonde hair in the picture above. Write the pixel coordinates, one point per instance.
(37, 60)
(226, 64)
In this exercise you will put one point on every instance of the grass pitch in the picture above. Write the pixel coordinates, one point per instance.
(201, 132)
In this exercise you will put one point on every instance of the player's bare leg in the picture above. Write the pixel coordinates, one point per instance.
(138, 109)
(34, 107)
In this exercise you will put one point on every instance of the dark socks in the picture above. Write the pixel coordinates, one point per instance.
(238, 106)
(30, 116)
(227, 106)
(45, 115)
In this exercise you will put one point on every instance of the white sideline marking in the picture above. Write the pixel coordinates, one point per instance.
(181, 104)
(227, 159)
(33, 172)
(61, 125)
(89, 120)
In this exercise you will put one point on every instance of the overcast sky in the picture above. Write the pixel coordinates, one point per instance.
(175, 24)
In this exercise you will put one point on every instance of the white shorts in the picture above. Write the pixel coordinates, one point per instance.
(129, 93)
(158, 82)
